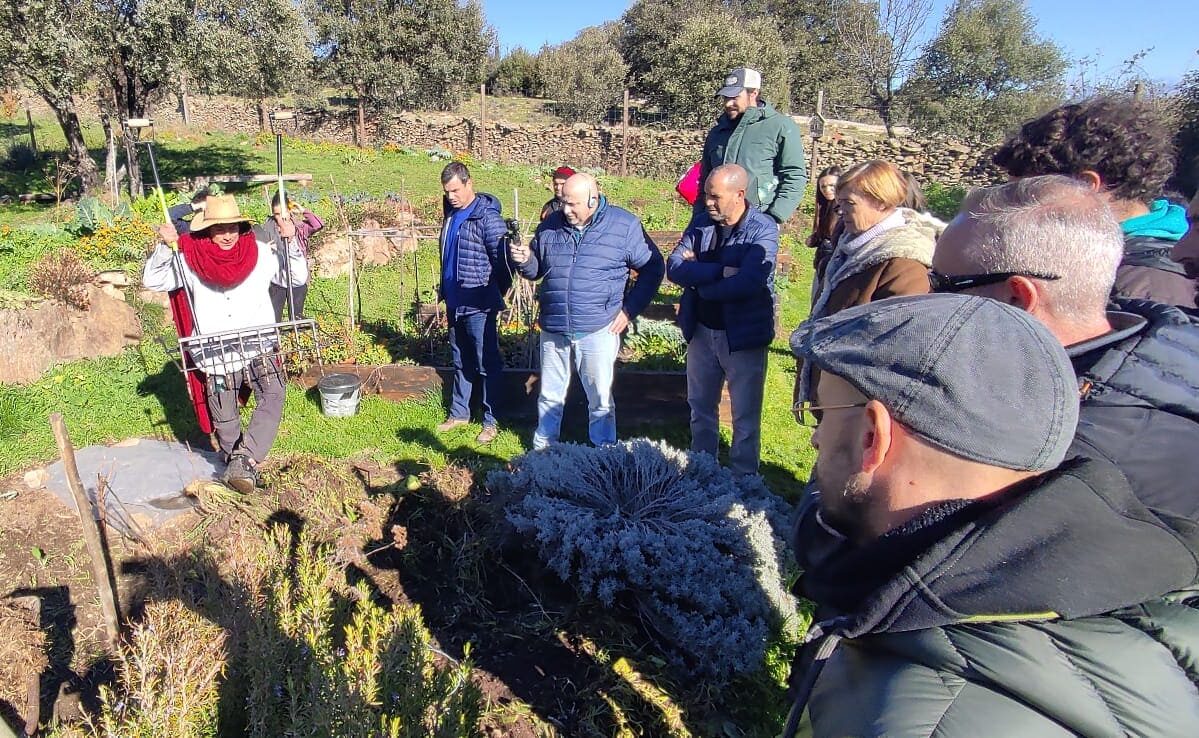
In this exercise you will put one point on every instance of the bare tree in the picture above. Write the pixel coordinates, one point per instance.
(881, 46)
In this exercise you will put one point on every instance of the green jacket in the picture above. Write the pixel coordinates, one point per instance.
(770, 147)
(1060, 607)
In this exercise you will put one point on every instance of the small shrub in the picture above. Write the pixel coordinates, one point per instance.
(697, 552)
(169, 677)
(21, 247)
(60, 275)
(657, 345)
(20, 158)
(122, 240)
(338, 343)
(944, 200)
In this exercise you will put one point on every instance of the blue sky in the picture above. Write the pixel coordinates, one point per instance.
(1105, 30)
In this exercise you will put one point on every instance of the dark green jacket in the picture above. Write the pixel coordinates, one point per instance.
(770, 147)
(1059, 607)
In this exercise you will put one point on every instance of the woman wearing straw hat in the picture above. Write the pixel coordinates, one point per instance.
(222, 284)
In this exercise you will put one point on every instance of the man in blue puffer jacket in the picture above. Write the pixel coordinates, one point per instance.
(725, 266)
(583, 254)
(475, 276)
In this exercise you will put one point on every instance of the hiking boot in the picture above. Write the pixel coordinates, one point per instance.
(242, 474)
(488, 434)
(450, 424)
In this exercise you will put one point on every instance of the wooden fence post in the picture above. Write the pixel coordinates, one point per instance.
(101, 564)
(624, 140)
(482, 121)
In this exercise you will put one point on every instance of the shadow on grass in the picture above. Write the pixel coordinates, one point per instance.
(169, 387)
(179, 164)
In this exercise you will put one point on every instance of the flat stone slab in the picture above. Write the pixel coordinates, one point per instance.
(145, 480)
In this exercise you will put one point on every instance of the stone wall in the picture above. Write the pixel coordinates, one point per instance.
(651, 152)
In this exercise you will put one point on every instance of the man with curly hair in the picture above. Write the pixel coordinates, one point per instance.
(1121, 148)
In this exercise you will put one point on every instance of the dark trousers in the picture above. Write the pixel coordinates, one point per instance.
(279, 300)
(266, 379)
(477, 362)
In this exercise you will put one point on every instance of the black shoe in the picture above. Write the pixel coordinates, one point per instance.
(242, 474)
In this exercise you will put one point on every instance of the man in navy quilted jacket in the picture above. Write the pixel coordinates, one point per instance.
(583, 254)
(475, 276)
(725, 265)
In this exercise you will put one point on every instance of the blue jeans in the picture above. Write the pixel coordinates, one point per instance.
(477, 362)
(709, 365)
(594, 357)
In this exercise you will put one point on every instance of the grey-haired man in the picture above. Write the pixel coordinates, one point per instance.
(1051, 246)
(965, 584)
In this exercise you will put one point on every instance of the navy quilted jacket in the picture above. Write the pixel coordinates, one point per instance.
(1140, 402)
(484, 270)
(747, 297)
(585, 272)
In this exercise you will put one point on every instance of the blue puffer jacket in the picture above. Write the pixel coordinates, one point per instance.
(586, 271)
(1140, 403)
(747, 297)
(484, 270)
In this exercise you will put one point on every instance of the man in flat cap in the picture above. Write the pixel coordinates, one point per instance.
(965, 583)
(764, 141)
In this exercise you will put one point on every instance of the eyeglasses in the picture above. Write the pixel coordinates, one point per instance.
(805, 411)
(939, 282)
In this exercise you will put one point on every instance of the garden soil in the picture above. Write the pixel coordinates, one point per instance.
(543, 659)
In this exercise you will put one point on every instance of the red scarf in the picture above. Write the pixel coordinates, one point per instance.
(217, 267)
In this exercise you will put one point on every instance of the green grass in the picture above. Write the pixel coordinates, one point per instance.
(140, 393)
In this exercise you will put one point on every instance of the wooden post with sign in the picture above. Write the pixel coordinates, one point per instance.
(624, 139)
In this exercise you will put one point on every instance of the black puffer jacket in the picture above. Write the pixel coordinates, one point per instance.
(1148, 273)
(1058, 607)
(1140, 403)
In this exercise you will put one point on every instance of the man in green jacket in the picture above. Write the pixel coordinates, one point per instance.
(965, 583)
(765, 142)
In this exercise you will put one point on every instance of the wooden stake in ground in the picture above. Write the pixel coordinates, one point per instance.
(482, 122)
(101, 564)
(624, 137)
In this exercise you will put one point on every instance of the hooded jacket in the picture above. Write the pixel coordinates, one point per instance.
(1147, 272)
(1140, 402)
(1061, 606)
(769, 146)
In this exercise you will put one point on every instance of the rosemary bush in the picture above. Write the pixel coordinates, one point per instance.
(698, 552)
(283, 646)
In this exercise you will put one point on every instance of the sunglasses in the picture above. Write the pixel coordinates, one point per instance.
(939, 282)
(806, 413)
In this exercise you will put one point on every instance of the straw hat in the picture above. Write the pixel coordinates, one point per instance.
(218, 209)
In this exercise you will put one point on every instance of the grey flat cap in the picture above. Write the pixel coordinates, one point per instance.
(969, 374)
